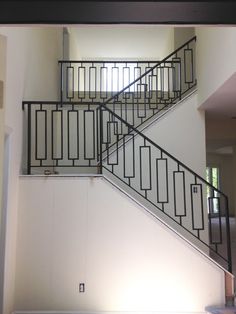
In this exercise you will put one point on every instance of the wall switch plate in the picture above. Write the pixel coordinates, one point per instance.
(81, 287)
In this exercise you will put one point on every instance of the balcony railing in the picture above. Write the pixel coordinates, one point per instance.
(92, 80)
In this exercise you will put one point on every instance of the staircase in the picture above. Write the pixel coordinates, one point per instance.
(101, 131)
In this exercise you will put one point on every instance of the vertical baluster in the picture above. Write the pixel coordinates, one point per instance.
(29, 139)
(228, 235)
(61, 82)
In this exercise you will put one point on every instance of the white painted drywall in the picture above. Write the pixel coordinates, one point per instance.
(123, 41)
(182, 133)
(85, 230)
(32, 55)
(216, 49)
(74, 48)
(44, 49)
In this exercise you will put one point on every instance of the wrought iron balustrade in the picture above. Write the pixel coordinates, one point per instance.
(89, 80)
(101, 134)
(163, 182)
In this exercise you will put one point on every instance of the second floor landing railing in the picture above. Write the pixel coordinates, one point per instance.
(135, 90)
(93, 80)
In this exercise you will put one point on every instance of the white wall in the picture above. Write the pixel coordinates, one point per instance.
(44, 49)
(216, 49)
(85, 230)
(123, 41)
(74, 48)
(31, 63)
(182, 133)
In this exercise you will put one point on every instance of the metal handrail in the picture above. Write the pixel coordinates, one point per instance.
(110, 61)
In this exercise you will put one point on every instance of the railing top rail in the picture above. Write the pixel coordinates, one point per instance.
(59, 103)
(112, 61)
(52, 102)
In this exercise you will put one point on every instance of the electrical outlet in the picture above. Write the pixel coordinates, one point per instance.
(81, 287)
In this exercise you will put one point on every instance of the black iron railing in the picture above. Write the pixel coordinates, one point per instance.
(89, 79)
(102, 135)
(62, 138)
